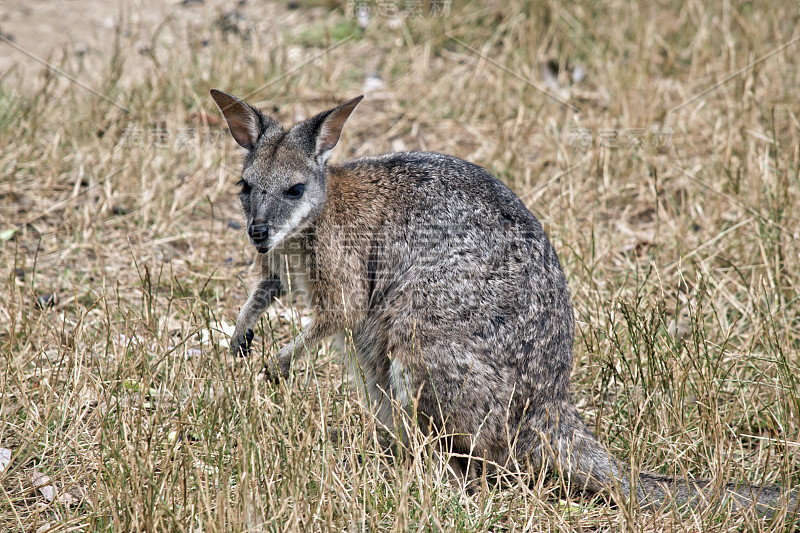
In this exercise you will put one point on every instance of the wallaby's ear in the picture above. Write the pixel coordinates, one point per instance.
(245, 123)
(331, 128)
(320, 134)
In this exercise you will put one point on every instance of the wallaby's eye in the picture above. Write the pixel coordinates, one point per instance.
(295, 191)
(245, 186)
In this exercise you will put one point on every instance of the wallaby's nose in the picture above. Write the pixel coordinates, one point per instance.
(258, 232)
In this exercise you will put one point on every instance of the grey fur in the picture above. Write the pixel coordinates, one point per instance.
(454, 296)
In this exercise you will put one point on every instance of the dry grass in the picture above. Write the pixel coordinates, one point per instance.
(682, 260)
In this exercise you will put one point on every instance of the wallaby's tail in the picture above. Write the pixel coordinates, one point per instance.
(591, 467)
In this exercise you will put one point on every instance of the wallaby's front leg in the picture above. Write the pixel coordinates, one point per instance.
(265, 291)
(321, 326)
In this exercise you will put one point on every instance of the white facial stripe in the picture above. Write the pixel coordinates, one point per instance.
(292, 225)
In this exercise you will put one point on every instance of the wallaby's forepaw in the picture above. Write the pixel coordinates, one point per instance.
(273, 372)
(241, 342)
(278, 367)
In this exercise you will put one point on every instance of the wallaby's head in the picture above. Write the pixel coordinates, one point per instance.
(283, 179)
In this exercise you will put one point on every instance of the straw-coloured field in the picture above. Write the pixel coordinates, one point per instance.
(659, 146)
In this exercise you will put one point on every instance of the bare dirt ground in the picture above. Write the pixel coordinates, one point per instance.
(52, 29)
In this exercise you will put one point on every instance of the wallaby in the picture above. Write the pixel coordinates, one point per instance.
(454, 298)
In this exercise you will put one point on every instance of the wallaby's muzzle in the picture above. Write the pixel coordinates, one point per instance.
(258, 235)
